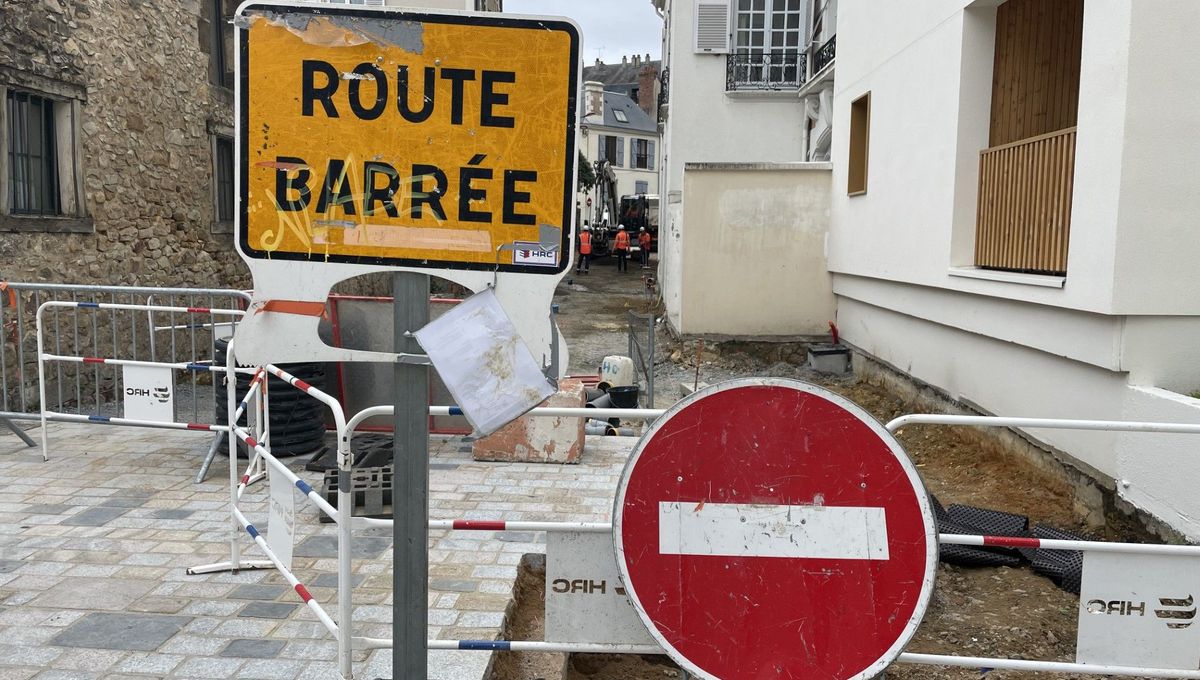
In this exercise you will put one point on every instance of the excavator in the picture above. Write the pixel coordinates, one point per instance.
(634, 211)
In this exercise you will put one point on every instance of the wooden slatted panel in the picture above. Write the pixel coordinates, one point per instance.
(1025, 189)
(1035, 77)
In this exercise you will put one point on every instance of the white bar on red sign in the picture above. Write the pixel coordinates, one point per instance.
(792, 531)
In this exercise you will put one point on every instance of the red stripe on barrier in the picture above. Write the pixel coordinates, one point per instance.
(301, 385)
(480, 524)
(197, 426)
(93, 360)
(250, 442)
(303, 592)
(1012, 542)
(245, 480)
(199, 310)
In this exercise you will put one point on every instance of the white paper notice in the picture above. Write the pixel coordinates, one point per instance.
(484, 363)
(281, 518)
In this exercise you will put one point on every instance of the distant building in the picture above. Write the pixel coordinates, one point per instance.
(616, 130)
(748, 90)
(636, 77)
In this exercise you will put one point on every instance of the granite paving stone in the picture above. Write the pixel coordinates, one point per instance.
(268, 610)
(253, 649)
(103, 630)
(95, 561)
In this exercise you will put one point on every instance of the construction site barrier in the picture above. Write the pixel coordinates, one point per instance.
(43, 357)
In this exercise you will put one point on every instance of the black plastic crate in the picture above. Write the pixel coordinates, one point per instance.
(371, 491)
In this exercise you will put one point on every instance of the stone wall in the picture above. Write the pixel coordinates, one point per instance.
(146, 147)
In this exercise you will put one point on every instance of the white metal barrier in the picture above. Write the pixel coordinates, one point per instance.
(43, 357)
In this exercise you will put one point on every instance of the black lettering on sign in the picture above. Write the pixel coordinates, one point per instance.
(490, 98)
(337, 188)
(467, 175)
(403, 96)
(428, 197)
(457, 77)
(311, 93)
(366, 72)
(384, 195)
(291, 174)
(512, 197)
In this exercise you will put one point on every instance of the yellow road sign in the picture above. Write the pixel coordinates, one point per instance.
(404, 138)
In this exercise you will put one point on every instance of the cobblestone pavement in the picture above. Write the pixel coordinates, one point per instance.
(95, 543)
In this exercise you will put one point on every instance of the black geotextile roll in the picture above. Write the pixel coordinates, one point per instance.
(297, 421)
(1064, 567)
(973, 556)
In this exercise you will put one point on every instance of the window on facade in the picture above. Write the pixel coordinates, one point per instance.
(32, 159)
(220, 16)
(612, 149)
(767, 45)
(641, 187)
(860, 136)
(223, 178)
(620, 116)
(40, 187)
(643, 154)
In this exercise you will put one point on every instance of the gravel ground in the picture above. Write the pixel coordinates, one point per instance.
(1003, 612)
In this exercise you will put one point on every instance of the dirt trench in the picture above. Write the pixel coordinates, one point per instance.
(997, 611)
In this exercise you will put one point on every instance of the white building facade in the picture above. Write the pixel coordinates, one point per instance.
(741, 107)
(614, 129)
(1014, 218)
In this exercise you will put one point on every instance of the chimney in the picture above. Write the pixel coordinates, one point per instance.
(624, 60)
(598, 62)
(647, 57)
(593, 95)
(637, 59)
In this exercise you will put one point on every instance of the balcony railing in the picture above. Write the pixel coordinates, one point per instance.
(1025, 191)
(824, 54)
(765, 70)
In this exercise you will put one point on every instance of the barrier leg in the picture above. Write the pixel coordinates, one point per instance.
(42, 388)
(235, 563)
(209, 457)
(345, 521)
(18, 431)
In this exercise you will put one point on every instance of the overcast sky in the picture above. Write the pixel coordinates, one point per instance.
(611, 28)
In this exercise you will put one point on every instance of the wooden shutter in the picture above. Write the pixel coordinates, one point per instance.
(650, 165)
(620, 162)
(712, 26)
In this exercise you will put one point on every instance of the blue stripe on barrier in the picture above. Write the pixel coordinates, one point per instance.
(252, 531)
(198, 367)
(455, 411)
(494, 645)
(92, 305)
(303, 486)
(99, 419)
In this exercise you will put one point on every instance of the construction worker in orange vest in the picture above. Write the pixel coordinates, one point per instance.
(621, 247)
(644, 246)
(585, 250)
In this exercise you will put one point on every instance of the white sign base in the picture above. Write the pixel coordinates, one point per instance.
(281, 520)
(585, 600)
(149, 393)
(1139, 610)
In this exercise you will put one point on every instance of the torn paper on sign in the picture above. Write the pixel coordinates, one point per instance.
(484, 363)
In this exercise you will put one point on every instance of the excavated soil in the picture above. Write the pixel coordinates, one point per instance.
(999, 611)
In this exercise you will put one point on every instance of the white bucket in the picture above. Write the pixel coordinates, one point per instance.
(616, 371)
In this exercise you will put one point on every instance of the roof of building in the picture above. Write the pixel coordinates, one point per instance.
(615, 74)
(634, 117)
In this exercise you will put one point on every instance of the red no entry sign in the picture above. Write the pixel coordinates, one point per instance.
(769, 528)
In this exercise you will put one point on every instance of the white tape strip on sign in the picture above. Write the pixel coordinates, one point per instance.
(795, 531)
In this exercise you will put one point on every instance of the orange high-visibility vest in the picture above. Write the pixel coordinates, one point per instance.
(622, 240)
(644, 239)
(585, 243)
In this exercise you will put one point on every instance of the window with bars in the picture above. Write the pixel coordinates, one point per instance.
(612, 149)
(32, 156)
(220, 17)
(223, 178)
(643, 154)
(768, 37)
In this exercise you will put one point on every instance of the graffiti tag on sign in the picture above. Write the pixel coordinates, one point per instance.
(402, 138)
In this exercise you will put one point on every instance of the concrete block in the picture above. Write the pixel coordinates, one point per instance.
(689, 386)
(530, 439)
(829, 358)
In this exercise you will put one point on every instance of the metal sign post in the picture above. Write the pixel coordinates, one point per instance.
(410, 481)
